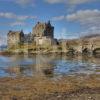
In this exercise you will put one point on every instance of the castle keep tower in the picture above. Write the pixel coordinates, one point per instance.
(43, 34)
(43, 29)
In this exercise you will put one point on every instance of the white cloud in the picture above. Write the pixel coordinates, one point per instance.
(7, 15)
(58, 18)
(54, 1)
(86, 18)
(76, 2)
(19, 19)
(10, 15)
(24, 2)
(22, 17)
(70, 2)
(19, 23)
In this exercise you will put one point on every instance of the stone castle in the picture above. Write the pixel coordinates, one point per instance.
(42, 35)
(42, 38)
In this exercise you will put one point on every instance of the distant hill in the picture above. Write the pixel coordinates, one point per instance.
(3, 47)
(91, 36)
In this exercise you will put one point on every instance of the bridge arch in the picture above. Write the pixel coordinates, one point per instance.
(86, 51)
(96, 51)
(71, 51)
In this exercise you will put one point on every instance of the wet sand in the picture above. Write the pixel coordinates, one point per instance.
(76, 87)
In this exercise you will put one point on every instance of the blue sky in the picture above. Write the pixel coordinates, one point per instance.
(71, 18)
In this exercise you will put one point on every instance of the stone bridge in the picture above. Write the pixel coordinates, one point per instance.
(88, 45)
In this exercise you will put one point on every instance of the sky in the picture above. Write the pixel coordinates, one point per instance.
(70, 18)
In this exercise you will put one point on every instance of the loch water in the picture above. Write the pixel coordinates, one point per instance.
(47, 65)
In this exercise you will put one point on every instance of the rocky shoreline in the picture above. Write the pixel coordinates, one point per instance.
(75, 87)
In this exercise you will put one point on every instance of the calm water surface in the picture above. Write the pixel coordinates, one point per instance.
(47, 65)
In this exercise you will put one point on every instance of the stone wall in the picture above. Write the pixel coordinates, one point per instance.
(82, 45)
(44, 41)
(15, 38)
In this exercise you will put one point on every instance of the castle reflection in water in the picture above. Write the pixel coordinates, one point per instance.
(49, 65)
